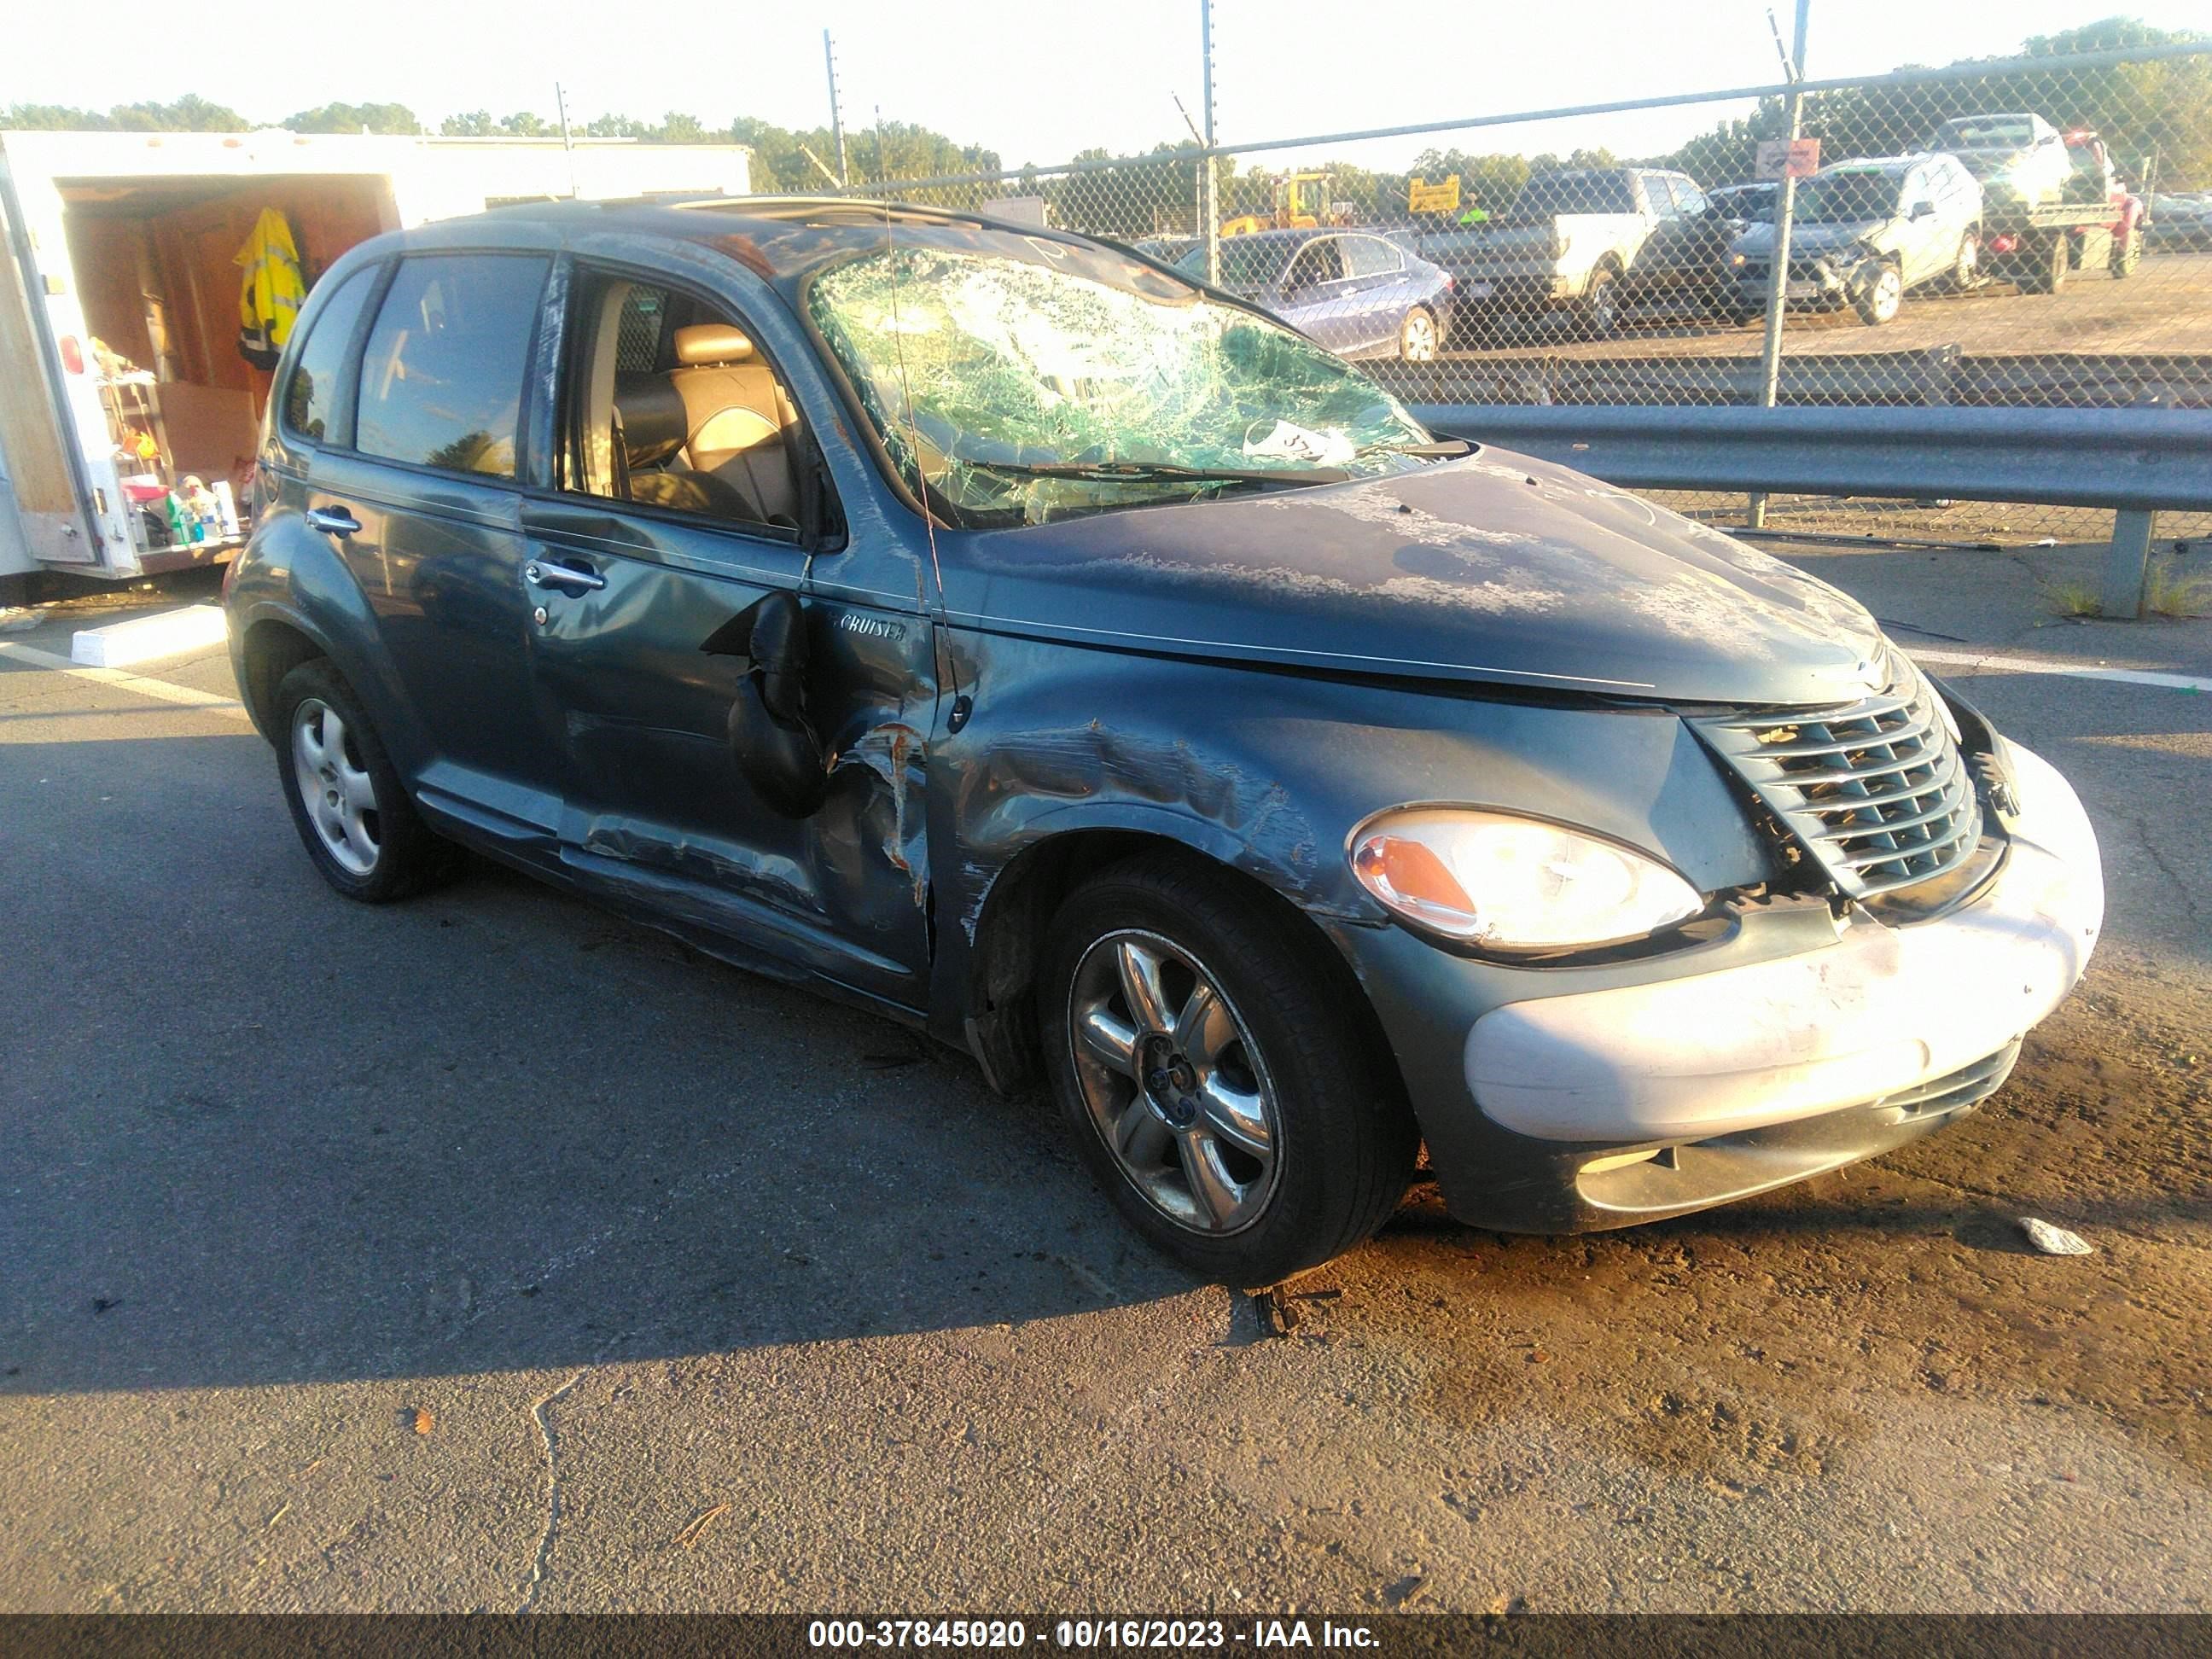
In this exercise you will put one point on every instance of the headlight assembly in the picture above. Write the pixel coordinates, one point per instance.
(1512, 884)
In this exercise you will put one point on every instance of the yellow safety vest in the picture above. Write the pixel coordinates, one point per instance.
(268, 301)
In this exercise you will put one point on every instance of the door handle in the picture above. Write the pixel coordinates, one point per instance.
(562, 576)
(336, 520)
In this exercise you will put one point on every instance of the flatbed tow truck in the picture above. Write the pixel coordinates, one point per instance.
(2098, 221)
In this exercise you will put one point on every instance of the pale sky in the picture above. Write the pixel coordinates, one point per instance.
(1036, 80)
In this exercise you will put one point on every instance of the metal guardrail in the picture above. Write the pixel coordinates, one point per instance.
(2140, 458)
(1932, 377)
(2136, 462)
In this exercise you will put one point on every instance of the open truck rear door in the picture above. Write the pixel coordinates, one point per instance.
(52, 498)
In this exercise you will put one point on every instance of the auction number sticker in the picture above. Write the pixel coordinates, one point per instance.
(917, 1633)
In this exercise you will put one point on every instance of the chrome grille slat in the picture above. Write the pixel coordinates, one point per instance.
(1876, 791)
(1828, 805)
(1931, 756)
(1840, 833)
(1871, 708)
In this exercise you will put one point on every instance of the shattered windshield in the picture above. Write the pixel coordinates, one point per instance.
(1074, 381)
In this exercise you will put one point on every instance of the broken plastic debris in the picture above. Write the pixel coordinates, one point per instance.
(2054, 1241)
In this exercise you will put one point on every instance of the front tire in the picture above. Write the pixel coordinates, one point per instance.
(1880, 297)
(352, 811)
(1201, 1051)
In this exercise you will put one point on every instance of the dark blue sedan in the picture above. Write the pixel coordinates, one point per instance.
(1360, 293)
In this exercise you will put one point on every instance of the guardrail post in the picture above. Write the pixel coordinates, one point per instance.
(1778, 275)
(2127, 562)
(1209, 197)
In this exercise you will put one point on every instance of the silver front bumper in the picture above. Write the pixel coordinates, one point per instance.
(1882, 1012)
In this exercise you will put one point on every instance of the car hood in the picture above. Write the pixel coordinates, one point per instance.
(1807, 240)
(1496, 567)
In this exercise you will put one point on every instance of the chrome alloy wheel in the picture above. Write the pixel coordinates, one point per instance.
(335, 788)
(1417, 338)
(1887, 295)
(1175, 1085)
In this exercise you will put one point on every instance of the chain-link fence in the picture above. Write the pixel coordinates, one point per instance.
(2031, 234)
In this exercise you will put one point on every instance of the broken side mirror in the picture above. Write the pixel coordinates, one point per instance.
(770, 738)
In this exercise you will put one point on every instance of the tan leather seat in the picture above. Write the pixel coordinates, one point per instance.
(737, 417)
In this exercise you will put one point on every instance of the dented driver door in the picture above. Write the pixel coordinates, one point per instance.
(645, 668)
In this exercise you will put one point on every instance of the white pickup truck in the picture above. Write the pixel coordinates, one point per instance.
(1589, 242)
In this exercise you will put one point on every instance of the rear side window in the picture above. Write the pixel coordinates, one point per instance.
(637, 333)
(441, 378)
(309, 396)
(1370, 256)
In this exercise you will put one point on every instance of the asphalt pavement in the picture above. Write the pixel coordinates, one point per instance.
(490, 1252)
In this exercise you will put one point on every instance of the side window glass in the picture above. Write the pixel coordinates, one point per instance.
(1370, 256)
(309, 395)
(670, 404)
(441, 379)
(1662, 198)
(1690, 199)
(642, 320)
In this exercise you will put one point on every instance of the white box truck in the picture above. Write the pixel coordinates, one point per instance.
(119, 370)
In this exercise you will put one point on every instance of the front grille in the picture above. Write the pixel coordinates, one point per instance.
(1876, 791)
(1966, 1086)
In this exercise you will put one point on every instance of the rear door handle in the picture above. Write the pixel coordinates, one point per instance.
(562, 576)
(336, 520)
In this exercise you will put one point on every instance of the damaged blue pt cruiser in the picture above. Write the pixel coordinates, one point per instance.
(988, 626)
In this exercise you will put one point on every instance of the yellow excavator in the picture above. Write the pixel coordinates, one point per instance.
(1301, 200)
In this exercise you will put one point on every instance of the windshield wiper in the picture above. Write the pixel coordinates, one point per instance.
(1443, 449)
(1164, 472)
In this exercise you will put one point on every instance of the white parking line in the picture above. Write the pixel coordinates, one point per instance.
(2002, 665)
(124, 682)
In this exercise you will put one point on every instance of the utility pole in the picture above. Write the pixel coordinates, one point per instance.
(1778, 284)
(837, 114)
(1209, 202)
(568, 144)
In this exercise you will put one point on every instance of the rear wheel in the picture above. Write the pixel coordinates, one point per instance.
(2044, 268)
(348, 804)
(1967, 268)
(1236, 1113)
(1418, 338)
(1600, 311)
(2127, 252)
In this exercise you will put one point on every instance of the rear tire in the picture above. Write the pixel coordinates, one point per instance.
(2127, 252)
(352, 811)
(1599, 309)
(1212, 1067)
(1966, 269)
(2044, 269)
(1419, 338)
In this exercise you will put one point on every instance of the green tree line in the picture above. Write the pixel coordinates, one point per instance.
(2153, 115)
(895, 149)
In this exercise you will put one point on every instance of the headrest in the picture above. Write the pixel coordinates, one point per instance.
(654, 423)
(712, 342)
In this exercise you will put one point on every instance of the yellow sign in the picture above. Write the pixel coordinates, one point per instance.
(1422, 196)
